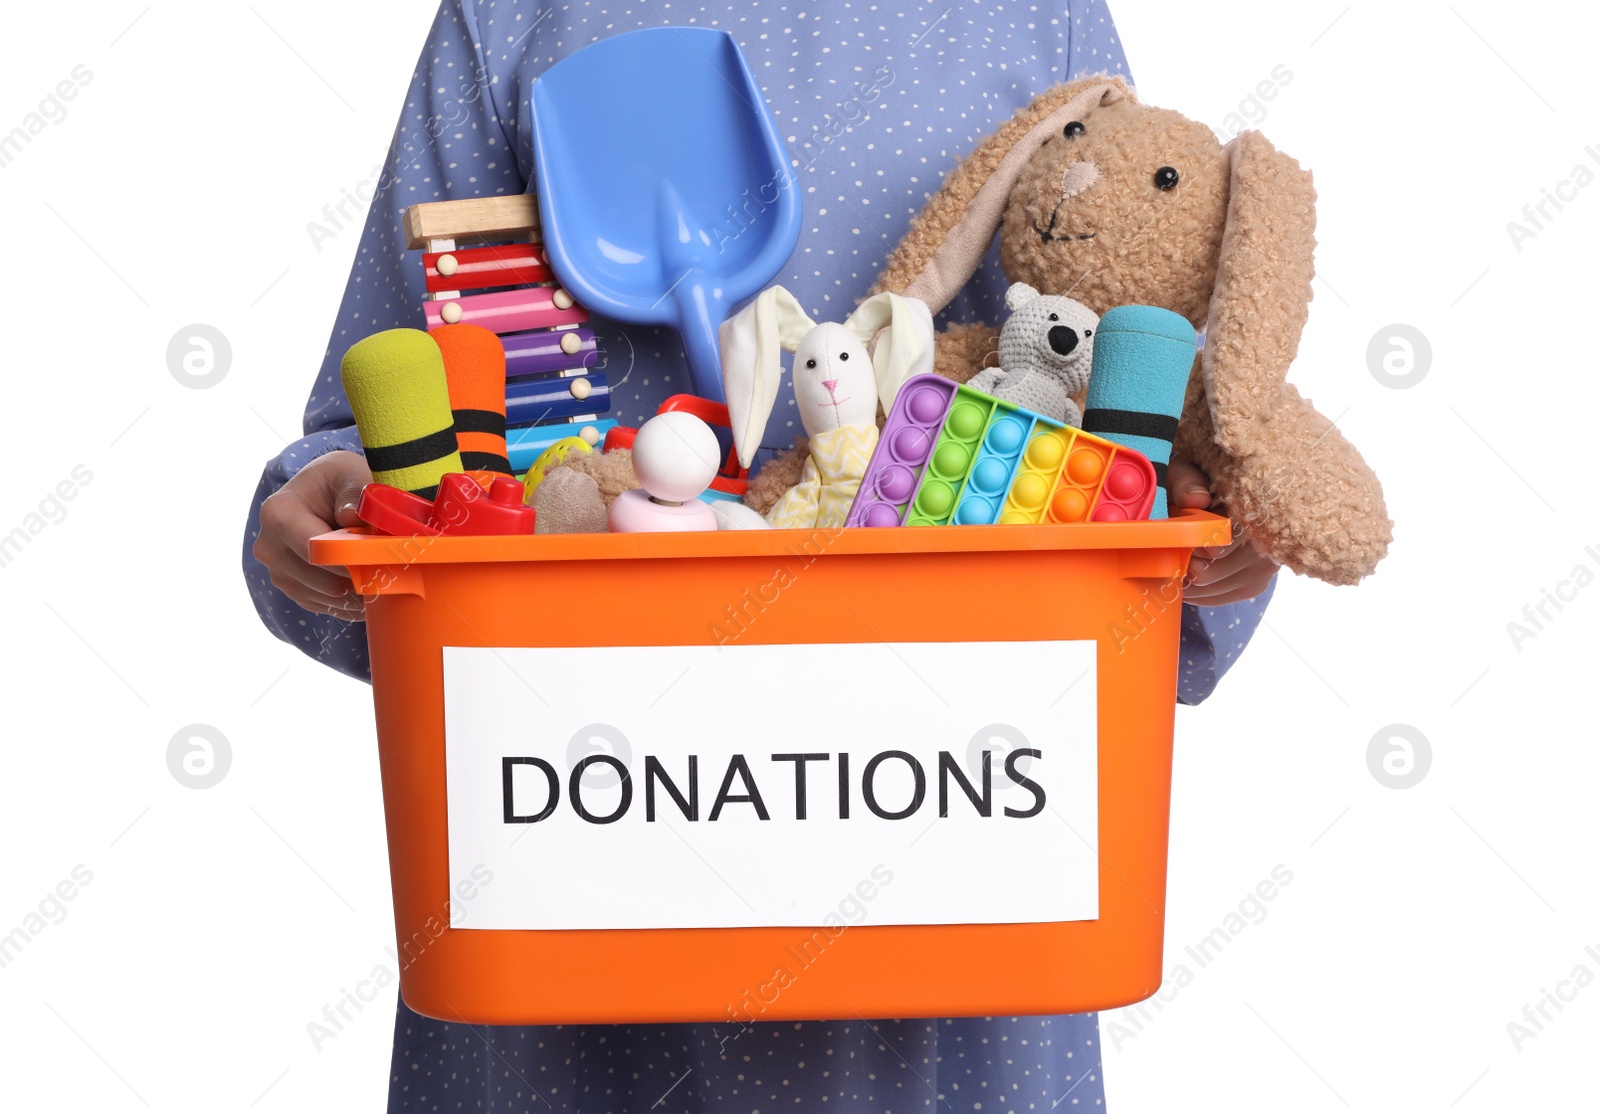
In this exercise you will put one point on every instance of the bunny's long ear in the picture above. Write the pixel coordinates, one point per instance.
(948, 239)
(752, 371)
(906, 346)
(1311, 502)
(1263, 292)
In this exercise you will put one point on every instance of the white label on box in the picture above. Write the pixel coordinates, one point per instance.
(797, 785)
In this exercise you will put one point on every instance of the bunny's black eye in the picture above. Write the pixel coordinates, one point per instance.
(844, 355)
(1055, 317)
(1166, 178)
(811, 363)
(1072, 129)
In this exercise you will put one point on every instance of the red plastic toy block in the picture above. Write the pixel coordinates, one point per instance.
(461, 508)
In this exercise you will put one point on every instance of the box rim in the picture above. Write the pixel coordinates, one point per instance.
(1185, 530)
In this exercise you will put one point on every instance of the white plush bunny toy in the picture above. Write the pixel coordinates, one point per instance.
(837, 387)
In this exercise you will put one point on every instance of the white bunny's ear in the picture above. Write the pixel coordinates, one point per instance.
(752, 371)
(906, 347)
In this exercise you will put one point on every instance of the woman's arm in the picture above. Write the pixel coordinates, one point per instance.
(1226, 590)
(450, 143)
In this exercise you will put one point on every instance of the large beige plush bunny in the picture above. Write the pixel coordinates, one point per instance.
(1112, 202)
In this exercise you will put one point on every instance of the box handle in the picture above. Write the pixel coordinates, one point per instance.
(388, 580)
(1152, 564)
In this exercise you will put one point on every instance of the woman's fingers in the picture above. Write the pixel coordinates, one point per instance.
(1228, 561)
(1238, 571)
(1187, 486)
(278, 547)
(336, 600)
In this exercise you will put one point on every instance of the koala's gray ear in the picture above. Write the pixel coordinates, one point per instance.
(1020, 294)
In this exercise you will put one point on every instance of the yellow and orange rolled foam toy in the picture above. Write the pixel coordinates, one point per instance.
(475, 369)
(396, 384)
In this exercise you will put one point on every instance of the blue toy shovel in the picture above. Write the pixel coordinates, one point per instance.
(665, 194)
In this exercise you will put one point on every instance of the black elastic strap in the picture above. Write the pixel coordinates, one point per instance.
(1161, 472)
(409, 454)
(1130, 423)
(480, 421)
(485, 462)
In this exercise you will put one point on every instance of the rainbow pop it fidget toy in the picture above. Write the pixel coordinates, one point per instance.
(950, 455)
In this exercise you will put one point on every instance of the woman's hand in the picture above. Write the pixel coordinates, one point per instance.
(1218, 574)
(321, 497)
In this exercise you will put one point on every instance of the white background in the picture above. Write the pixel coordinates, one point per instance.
(219, 922)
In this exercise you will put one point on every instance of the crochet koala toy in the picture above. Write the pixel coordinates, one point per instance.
(1046, 349)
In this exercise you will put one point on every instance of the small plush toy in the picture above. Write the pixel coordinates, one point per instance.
(578, 491)
(838, 387)
(1046, 351)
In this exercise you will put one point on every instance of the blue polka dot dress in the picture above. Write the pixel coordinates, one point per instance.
(876, 102)
(855, 1066)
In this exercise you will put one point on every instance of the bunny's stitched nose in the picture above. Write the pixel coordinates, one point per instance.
(1078, 177)
(828, 385)
(1063, 340)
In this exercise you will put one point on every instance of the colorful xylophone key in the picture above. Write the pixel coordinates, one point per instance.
(556, 398)
(555, 350)
(485, 267)
(509, 311)
(525, 445)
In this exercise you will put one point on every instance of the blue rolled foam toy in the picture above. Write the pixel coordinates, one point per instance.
(1142, 359)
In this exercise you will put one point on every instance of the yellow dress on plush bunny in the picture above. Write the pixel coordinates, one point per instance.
(829, 481)
(837, 388)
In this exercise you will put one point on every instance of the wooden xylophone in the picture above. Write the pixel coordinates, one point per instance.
(484, 264)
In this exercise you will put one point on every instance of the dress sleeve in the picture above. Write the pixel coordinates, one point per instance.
(1213, 639)
(1093, 45)
(451, 141)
